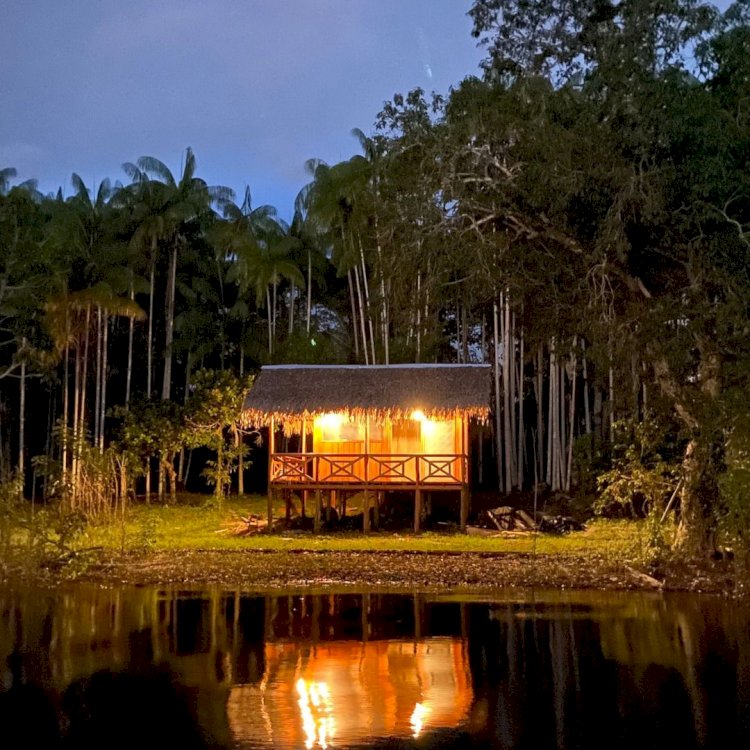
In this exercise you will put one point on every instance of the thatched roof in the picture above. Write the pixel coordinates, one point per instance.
(294, 392)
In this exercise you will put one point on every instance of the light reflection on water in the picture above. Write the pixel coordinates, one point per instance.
(573, 669)
(350, 692)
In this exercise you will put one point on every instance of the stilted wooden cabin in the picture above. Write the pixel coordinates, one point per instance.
(369, 429)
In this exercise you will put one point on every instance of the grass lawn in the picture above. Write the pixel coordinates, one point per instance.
(195, 524)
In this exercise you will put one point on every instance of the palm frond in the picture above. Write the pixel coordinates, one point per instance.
(153, 166)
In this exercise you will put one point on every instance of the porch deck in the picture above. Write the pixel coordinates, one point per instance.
(339, 474)
(358, 471)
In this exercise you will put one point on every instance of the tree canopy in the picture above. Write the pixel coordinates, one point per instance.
(579, 216)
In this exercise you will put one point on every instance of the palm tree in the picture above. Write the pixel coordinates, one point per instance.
(6, 175)
(336, 198)
(260, 246)
(169, 206)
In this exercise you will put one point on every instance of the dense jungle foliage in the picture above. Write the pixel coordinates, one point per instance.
(579, 216)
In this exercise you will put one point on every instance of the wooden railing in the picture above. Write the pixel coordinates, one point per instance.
(368, 469)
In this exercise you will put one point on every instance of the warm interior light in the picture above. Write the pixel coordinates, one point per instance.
(329, 426)
(330, 421)
(418, 415)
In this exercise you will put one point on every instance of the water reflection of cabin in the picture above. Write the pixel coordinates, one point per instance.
(369, 429)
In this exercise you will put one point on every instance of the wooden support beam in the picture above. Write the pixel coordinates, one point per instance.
(464, 514)
(417, 510)
(366, 515)
(376, 507)
(269, 508)
(316, 517)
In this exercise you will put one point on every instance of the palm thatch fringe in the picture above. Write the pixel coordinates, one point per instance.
(291, 394)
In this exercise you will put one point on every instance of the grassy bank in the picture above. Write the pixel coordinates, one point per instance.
(195, 524)
(195, 543)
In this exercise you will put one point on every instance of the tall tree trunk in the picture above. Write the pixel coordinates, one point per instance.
(105, 338)
(82, 419)
(131, 327)
(507, 396)
(586, 406)
(611, 399)
(76, 434)
(354, 314)
(166, 387)
(521, 428)
(574, 368)
(150, 347)
(562, 427)
(270, 322)
(699, 489)
(383, 298)
(76, 392)
(64, 449)
(552, 418)
(419, 317)
(539, 397)
(513, 390)
(169, 468)
(366, 290)
(291, 309)
(698, 496)
(274, 303)
(498, 409)
(238, 442)
(464, 315)
(361, 316)
(160, 477)
(309, 289)
(98, 382)
(188, 372)
(22, 420)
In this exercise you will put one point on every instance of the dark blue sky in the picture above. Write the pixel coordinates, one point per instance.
(256, 87)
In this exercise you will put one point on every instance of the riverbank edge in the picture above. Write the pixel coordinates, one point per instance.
(372, 570)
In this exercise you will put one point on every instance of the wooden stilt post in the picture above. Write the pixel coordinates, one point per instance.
(464, 512)
(316, 518)
(271, 494)
(271, 490)
(303, 450)
(417, 510)
(464, 506)
(366, 516)
(376, 508)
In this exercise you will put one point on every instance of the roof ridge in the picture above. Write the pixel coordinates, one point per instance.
(414, 365)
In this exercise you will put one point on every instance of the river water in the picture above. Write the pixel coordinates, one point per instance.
(167, 667)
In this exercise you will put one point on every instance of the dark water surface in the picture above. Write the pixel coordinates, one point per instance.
(159, 667)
